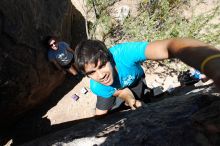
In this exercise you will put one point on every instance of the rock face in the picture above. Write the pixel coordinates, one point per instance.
(191, 120)
(26, 76)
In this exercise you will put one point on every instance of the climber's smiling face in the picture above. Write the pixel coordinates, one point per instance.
(102, 72)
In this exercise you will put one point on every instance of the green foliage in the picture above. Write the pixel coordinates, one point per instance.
(162, 20)
(100, 5)
(102, 15)
(158, 19)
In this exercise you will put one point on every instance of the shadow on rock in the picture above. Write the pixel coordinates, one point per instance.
(33, 124)
(177, 121)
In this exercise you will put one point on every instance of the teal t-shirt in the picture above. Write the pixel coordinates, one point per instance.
(128, 58)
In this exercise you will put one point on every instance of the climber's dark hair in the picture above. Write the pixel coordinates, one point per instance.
(90, 51)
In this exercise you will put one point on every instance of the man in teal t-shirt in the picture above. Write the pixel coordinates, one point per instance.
(116, 73)
(127, 61)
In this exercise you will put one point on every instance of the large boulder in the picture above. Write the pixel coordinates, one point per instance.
(185, 120)
(26, 76)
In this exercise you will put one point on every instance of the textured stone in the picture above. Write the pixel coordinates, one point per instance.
(191, 120)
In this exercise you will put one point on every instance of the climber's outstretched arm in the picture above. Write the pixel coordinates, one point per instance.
(195, 53)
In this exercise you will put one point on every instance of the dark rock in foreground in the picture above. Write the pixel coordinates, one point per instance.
(189, 120)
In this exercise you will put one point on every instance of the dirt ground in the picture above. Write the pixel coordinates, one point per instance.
(67, 109)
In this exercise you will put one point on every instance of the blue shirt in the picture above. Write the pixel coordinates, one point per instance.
(128, 58)
(61, 55)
